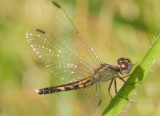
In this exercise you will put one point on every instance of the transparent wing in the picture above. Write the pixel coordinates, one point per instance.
(61, 27)
(63, 62)
(90, 98)
(63, 49)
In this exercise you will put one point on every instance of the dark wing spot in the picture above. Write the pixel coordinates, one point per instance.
(99, 103)
(41, 31)
(57, 5)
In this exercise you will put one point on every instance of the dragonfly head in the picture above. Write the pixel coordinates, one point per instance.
(125, 64)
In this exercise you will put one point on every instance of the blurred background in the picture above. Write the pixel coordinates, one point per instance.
(114, 28)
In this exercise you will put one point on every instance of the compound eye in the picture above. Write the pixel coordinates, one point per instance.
(124, 66)
(127, 69)
(120, 61)
(128, 61)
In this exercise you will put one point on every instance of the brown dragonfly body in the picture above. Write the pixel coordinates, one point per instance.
(105, 73)
(69, 56)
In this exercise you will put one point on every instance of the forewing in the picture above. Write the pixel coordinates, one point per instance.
(61, 27)
(90, 98)
(63, 49)
(63, 62)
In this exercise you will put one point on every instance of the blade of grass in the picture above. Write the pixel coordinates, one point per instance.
(117, 104)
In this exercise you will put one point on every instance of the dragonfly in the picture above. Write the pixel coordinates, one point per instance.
(72, 59)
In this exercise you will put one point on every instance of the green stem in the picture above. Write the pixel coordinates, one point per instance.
(117, 105)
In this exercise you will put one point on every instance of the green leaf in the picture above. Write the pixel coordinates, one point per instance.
(117, 104)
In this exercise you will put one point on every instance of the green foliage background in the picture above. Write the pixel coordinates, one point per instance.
(115, 28)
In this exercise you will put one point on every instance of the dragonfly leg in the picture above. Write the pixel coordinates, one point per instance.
(115, 86)
(126, 76)
(109, 88)
(126, 81)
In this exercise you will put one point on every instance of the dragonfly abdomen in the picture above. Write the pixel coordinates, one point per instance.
(66, 87)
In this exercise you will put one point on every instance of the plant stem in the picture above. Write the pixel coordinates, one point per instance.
(117, 104)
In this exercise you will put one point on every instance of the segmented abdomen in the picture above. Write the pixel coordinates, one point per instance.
(66, 87)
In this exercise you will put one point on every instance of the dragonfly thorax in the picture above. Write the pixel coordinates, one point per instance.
(106, 72)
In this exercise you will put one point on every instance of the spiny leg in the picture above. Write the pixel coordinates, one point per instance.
(126, 81)
(115, 86)
(109, 88)
(126, 76)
